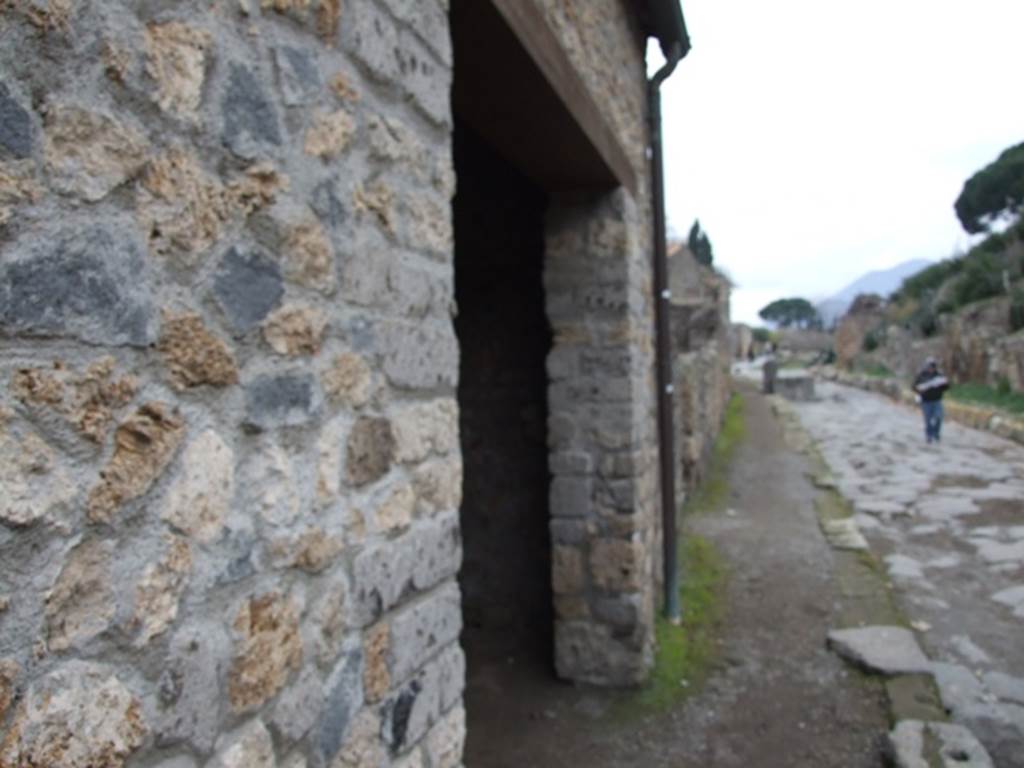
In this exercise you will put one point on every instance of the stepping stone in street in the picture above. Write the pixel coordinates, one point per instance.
(844, 534)
(957, 747)
(1005, 687)
(888, 650)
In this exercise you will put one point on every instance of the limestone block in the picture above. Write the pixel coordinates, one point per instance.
(269, 486)
(329, 622)
(250, 124)
(445, 740)
(144, 445)
(412, 710)
(176, 60)
(329, 461)
(190, 699)
(329, 135)
(363, 747)
(589, 652)
(269, 648)
(425, 428)
(364, 279)
(372, 37)
(393, 142)
(33, 485)
(348, 381)
(430, 225)
(370, 451)
(181, 209)
(889, 650)
(247, 747)
(422, 557)
(377, 664)
(307, 256)
(159, 590)
(199, 499)
(395, 512)
(438, 486)
(80, 605)
(248, 285)
(194, 356)
(295, 330)
(285, 400)
(299, 708)
(419, 632)
(16, 134)
(298, 75)
(88, 154)
(78, 716)
(87, 282)
(568, 574)
(616, 564)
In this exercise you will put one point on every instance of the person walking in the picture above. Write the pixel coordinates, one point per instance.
(930, 385)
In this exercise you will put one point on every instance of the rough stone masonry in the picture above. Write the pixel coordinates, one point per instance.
(229, 461)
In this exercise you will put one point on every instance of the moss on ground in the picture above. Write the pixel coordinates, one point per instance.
(685, 652)
(713, 493)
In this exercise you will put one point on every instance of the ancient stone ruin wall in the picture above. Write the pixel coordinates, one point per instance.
(605, 507)
(229, 464)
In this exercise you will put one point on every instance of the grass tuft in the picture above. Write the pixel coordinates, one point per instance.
(1001, 398)
(713, 493)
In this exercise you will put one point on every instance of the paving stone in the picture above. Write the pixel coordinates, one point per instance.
(1012, 598)
(1005, 687)
(956, 745)
(889, 650)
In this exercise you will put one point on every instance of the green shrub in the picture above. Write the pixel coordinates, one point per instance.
(874, 339)
(982, 278)
(1017, 309)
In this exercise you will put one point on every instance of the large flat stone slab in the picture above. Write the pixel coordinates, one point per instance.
(913, 742)
(888, 650)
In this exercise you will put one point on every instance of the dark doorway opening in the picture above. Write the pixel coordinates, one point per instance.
(504, 340)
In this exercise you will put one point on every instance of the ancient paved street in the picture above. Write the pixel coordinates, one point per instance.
(948, 522)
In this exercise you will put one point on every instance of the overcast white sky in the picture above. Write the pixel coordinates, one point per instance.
(817, 140)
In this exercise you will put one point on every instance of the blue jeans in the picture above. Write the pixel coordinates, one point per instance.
(932, 419)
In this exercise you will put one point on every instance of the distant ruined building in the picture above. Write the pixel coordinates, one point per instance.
(328, 339)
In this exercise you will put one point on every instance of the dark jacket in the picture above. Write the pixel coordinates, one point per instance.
(930, 384)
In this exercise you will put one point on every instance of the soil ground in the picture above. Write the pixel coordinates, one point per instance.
(773, 697)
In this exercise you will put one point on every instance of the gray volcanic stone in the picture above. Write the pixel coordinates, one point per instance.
(957, 746)
(249, 116)
(248, 286)
(889, 650)
(87, 285)
(287, 400)
(344, 698)
(15, 125)
(298, 75)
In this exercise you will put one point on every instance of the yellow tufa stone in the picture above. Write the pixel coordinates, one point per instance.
(309, 257)
(295, 330)
(81, 603)
(268, 650)
(9, 671)
(330, 134)
(342, 88)
(376, 199)
(395, 514)
(193, 355)
(88, 154)
(33, 486)
(85, 400)
(78, 716)
(176, 60)
(159, 590)
(348, 381)
(312, 551)
(144, 445)
(376, 674)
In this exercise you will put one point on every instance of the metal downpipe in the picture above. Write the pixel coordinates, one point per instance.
(663, 349)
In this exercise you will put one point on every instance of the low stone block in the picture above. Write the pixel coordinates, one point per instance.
(888, 650)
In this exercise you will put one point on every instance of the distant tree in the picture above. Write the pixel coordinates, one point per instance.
(994, 191)
(792, 313)
(699, 244)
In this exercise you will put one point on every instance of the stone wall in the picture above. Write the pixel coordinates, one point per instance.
(231, 472)
(703, 347)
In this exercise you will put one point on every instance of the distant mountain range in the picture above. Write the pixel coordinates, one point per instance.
(881, 281)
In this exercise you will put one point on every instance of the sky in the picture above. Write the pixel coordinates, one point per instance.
(818, 140)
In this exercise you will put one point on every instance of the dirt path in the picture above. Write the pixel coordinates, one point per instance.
(775, 697)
